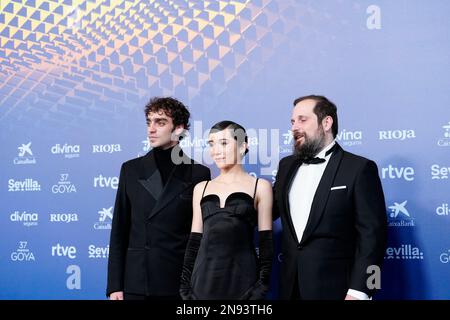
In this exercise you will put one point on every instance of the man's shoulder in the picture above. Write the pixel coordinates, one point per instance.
(287, 159)
(357, 162)
(355, 158)
(133, 162)
(198, 167)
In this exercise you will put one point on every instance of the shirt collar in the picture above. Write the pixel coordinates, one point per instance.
(322, 153)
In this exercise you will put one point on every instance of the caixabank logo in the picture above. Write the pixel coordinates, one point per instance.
(145, 147)
(104, 219)
(399, 216)
(286, 144)
(25, 155)
(444, 141)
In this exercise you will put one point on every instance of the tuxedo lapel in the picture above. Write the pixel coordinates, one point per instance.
(286, 182)
(175, 185)
(150, 177)
(322, 192)
(178, 181)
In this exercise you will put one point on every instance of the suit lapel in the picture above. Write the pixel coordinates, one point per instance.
(178, 181)
(322, 193)
(286, 182)
(150, 177)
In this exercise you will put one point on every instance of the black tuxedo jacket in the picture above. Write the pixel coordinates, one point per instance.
(151, 226)
(345, 233)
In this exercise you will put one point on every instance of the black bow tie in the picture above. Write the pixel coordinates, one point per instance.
(315, 160)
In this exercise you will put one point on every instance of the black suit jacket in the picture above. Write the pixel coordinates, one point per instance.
(345, 233)
(151, 226)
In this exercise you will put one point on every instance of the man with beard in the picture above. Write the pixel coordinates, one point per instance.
(332, 211)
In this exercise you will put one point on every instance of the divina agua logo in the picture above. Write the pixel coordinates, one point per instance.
(69, 151)
(404, 252)
(443, 210)
(28, 219)
(349, 138)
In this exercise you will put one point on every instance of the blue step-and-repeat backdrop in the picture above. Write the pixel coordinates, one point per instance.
(76, 74)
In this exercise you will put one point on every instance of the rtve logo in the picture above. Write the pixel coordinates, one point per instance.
(391, 172)
(64, 251)
(106, 182)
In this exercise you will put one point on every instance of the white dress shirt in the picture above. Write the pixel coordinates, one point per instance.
(301, 195)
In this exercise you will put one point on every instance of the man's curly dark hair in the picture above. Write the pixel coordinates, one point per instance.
(172, 108)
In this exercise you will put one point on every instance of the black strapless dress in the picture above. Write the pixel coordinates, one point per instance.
(226, 264)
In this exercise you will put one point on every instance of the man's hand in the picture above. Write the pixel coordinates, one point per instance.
(349, 297)
(116, 295)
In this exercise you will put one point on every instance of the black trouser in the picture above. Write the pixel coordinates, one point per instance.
(295, 294)
(130, 296)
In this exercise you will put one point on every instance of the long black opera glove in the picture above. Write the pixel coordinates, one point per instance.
(188, 265)
(261, 287)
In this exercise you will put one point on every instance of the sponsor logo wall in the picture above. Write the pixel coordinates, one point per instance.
(75, 77)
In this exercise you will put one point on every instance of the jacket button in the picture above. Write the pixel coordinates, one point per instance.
(299, 247)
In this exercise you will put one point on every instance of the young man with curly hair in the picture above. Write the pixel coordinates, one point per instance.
(153, 210)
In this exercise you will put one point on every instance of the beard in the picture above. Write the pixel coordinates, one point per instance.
(311, 146)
